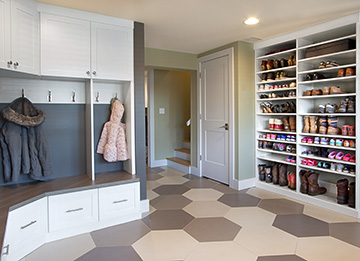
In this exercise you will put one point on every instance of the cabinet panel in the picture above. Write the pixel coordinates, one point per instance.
(112, 51)
(4, 33)
(73, 209)
(65, 46)
(118, 201)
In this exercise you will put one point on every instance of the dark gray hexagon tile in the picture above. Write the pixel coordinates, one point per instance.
(227, 190)
(281, 206)
(191, 177)
(122, 253)
(239, 200)
(168, 219)
(170, 202)
(212, 229)
(153, 177)
(280, 258)
(348, 232)
(114, 236)
(171, 189)
(200, 183)
(154, 170)
(301, 225)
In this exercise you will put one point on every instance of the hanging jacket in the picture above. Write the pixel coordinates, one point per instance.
(24, 145)
(112, 141)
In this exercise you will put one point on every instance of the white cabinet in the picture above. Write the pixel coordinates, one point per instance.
(4, 33)
(118, 201)
(26, 229)
(73, 209)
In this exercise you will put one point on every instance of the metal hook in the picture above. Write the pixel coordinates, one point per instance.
(116, 95)
(97, 96)
(73, 98)
(49, 96)
(22, 93)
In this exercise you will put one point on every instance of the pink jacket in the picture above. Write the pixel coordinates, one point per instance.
(112, 142)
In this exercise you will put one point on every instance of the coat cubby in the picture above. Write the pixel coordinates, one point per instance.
(325, 74)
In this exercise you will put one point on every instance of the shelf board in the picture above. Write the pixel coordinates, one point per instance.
(327, 159)
(279, 132)
(345, 79)
(275, 81)
(335, 68)
(277, 187)
(327, 170)
(277, 90)
(328, 135)
(276, 114)
(327, 146)
(278, 152)
(276, 159)
(328, 114)
(346, 54)
(288, 68)
(293, 50)
(282, 141)
(351, 36)
(276, 99)
(327, 96)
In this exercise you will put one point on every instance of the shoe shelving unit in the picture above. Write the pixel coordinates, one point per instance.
(297, 43)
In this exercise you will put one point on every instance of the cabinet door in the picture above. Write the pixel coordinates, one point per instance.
(26, 229)
(111, 51)
(65, 46)
(4, 33)
(25, 36)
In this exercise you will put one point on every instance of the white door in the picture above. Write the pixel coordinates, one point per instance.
(111, 52)
(215, 86)
(4, 33)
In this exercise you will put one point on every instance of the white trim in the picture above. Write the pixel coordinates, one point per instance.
(245, 184)
(144, 205)
(230, 53)
(179, 167)
(195, 171)
(158, 163)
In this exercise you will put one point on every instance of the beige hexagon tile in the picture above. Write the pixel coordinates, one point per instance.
(206, 194)
(172, 180)
(326, 248)
(250, 216)
(66, 249)
(327, 215)
(201, 209)
(228, 251)
(266, 240)
(152, 184)
(171, 172)
(151, 194)
(165, 245)
(263, 194)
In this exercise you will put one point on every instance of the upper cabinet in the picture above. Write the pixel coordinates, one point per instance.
(75, 46)
(19, 41)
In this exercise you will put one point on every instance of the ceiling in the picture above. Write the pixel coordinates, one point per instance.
(196, 26)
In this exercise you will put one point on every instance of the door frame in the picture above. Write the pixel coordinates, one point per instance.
(227, 52)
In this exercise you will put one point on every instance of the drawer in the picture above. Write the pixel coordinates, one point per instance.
(26, 228)
(119, 200)
(73, 209)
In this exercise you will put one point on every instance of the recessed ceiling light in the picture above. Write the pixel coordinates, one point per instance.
(251, 20)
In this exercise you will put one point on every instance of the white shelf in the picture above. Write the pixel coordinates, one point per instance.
(279, 132)
(327, 170)
(278, 90)
(327, 159)
(352, 36)
(287, 69)
(335, 79)
(335, 68)
(276, 114)
(278, 141)
(328, 114)
(348, 54)
(276, 158)
(328, 136)
(327, 96)
(327, 146)
(277, 187)
(276, 81)
(264, 57)
(276, 99)
(278, 152)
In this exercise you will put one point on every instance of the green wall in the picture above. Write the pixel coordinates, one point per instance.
(172, 92)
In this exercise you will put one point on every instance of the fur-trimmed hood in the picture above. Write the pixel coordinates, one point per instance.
(22, 112)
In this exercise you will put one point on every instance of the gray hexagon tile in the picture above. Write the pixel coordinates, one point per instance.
(192, 177)
(201, 183)
(281, 258)
(301, 225)
(167, 219)
(122, 253)
(212, 229)
(227, 190)
(347, 232)
(114, 236)
(239, 200)
(281, 206)
(154, 170)
(170, 202)
(170, 189)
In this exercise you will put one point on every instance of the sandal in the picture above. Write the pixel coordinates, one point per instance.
(332, 154)
(339, 155)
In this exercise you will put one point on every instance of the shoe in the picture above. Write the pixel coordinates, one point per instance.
(332, 154)
(346, 157)
(322, 65)
(260, 146)
(342, 191)
(339, 167)
(268, 172)
(325, 165)
(318, 76)
(293, 138)
(304, 187)
(333, 166)
(261, 169)
(339, 155)
(293, 159)
(289, 148)
(313, 124)
(341, 73)
(330, 108)
(344, 130)
(351, 195)
(351, 130)
(316, 140)
(308, 77)
(330, 64)
(282, 147)
(306, 124)
(349, 72)
(263, 65)
(333, 126)
(324, 141)
(352, 144)
(351, 106)
(291, 180)
(316, 92)
(339, 142)
(279, 125)
(314, 188)
(346, 143)
(288, 138)
(285, 120)
(310, 153)
(343, 106)
(336, 90)
(284, 63)
(346, 169)
(277, 64)
(353, 158)
(273, 136)
(323, 125)
(307, 93)
(282, 175)
(270, 76)
(310, 140)
(270, 64)
(288, 159)
(332, 142)
(321, 108)
(326, 91)
(292, 85)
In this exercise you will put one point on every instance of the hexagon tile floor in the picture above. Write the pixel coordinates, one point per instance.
(194, 218)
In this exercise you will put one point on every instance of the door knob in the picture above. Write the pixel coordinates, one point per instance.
(226, 126)
(16, 64)
(94, 72)
(87, 72)
(9, 62)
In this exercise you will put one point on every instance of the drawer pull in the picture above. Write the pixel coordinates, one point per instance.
(74, 210)
(119, 201)
(28, 225)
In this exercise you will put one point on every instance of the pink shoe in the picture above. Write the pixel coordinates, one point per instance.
(332, 154)
(339, 155)
(353, 158)
(347, 157)
(312, 162)
(304, 140)
(293, 159)
(304, 162)
(310, 140)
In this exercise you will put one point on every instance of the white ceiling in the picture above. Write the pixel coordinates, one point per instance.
(196, 26)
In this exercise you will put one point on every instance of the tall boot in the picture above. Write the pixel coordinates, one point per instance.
(261, 168)
(306, 124)
(333, 128)
(323, 125)
(314, 188)
(291, 180)
(285, 120)
(342, 191)
(352, 195)
(268, 171)
(313, 124)
(292, 123)
(275, 173)
(282, 175)
(304, 181)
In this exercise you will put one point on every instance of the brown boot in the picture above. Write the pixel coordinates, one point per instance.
(342, 191)
(304, 181)
(275, 173)
(352, 195)
(261, 168)
(292, 123)
(291, 180)
(282, 175)
(333, 128)
(323, 125)
(314, 188)
(268, 172)
(285, 120)
(313, 124)
(306, 124)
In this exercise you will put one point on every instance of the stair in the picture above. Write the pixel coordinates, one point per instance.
(181, 161)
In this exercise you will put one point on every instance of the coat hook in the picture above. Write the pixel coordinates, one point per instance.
(73, 98)
(97, 96)
(22, 93)
(49, 96)
(116, 95)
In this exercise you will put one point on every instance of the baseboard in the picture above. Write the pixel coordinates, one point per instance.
(158, 163)
(195, 171)
(177, 166)
(246, 183)
(144, 205)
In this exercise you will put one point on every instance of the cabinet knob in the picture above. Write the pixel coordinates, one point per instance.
(9, 62)
(94, 72)
(16, 64)
(87, 72)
